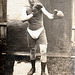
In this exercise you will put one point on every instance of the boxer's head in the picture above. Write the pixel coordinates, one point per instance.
(31, 2)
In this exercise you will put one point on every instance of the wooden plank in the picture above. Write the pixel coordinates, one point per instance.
(3, 10)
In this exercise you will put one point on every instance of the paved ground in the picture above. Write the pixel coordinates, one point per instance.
(23, 67)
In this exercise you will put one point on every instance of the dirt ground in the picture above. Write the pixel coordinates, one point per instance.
(23, 68)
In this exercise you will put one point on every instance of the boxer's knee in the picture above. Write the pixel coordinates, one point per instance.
(32, 53)
(43, 48)
(43, 51)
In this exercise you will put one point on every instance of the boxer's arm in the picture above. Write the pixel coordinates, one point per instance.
(49, 15)
(24, 16)
(56, 14)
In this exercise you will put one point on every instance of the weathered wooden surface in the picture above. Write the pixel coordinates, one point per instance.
(59, 30)
(3, 10)
(3, 19)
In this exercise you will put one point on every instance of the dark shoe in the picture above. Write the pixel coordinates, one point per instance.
(31, 71)
(43, 73)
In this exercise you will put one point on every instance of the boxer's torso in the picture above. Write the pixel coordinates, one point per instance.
(36, 21)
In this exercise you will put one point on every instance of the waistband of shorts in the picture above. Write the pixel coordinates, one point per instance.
(36, 29)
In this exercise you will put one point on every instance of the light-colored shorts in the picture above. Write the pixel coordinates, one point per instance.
(42, 39)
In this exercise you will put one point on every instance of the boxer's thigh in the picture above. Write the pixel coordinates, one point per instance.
(42, 38)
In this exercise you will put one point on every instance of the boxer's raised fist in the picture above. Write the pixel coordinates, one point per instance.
(58, 14)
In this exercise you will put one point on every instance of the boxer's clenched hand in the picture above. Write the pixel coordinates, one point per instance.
(58, 14)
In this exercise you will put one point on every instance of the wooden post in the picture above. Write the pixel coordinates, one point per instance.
(3, 10)
(3, 27)
(3, 19)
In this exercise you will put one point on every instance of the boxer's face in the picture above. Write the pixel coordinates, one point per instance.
(31, 2)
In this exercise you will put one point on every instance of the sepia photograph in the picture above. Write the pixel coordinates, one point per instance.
(37, 37)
